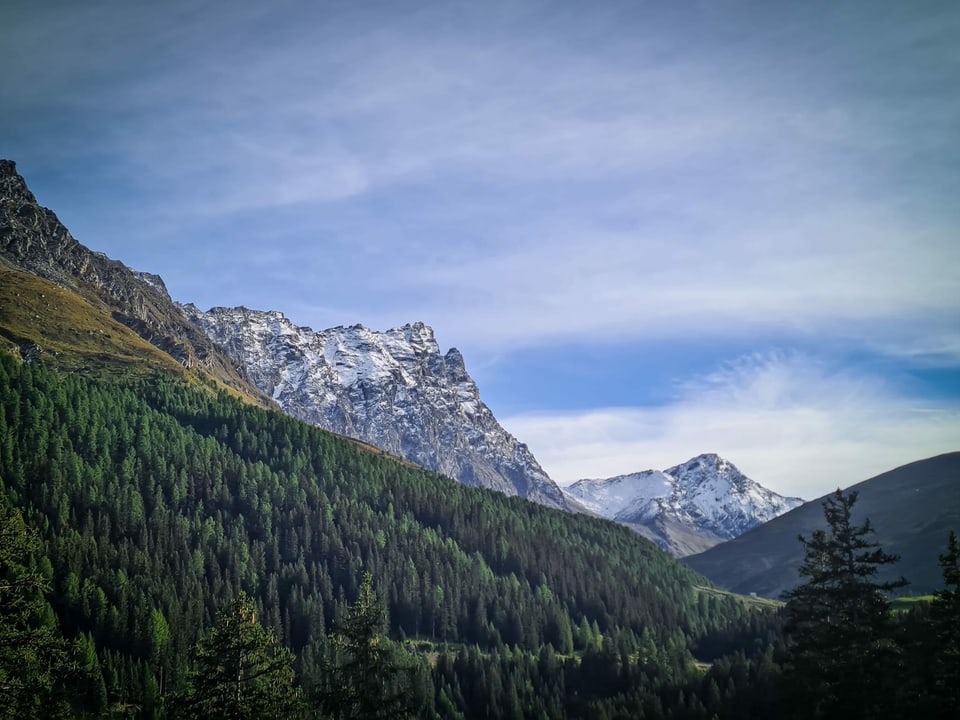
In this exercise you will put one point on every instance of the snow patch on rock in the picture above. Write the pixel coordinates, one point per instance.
(393, 389)
(707, 495)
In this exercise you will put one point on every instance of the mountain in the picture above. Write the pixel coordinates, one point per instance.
(687, 508)
(393, 389)
(33, 240)
(912, 509)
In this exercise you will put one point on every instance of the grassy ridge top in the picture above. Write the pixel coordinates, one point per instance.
(78, 335)
(37, 315)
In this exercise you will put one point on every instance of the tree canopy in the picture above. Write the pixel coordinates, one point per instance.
(34, 659)
(367, 676)
(241, 671)
(144, 510)
(839, 620)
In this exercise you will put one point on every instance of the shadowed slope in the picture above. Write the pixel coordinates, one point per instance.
(912, 509)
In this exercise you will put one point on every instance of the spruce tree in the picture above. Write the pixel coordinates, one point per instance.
(369, 677)
(945, 622)
(241, 672)
(842, 652)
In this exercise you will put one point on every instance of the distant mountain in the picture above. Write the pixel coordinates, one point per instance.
(394, 389)
(912, 509)
(33, 240)
(687, 508)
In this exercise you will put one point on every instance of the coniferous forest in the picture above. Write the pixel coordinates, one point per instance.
(168, 551)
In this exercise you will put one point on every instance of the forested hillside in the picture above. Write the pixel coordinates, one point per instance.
(158, 503)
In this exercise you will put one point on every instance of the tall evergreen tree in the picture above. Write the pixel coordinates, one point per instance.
(369, 676)
(34, 660)
(241, 671)
(839, 621)
(945, 619)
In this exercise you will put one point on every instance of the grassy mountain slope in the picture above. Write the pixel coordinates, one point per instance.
(38, 317)
(33, 239)
(912, 509)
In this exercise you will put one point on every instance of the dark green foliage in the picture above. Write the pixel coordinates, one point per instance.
(240, 671)
(610, 682)
(843, 652)
(34, 661)
(944, 677)
(369, 676)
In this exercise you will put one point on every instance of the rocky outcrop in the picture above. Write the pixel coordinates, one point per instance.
(394, 389)
(33, 239)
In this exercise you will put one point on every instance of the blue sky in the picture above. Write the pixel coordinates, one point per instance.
(653, 229)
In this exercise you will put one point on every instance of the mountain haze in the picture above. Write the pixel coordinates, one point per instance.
(686, 508)
(912, 509)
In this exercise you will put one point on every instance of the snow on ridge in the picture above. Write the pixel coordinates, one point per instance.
(609, 497)
(393, 389)
(707, 493)
(352, 353)
(151, 279)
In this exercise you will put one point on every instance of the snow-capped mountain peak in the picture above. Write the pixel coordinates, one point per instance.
(686, 507)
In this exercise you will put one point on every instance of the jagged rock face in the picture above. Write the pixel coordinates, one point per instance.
(715, 493)
(33, 239)
(686, 508)
(393, 389)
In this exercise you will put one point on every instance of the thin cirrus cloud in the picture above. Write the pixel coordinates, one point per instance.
(317, 112)
(423, 125)
(664, 201)
(789, 420)
(811, 280)
(536, 178)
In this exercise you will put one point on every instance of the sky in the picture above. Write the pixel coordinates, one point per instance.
(654, 230)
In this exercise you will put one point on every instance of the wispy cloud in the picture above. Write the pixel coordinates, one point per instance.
(630, 191)
(839, 277)
(532, 175)
(789, 421)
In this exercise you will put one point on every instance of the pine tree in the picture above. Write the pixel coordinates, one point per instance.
(34, 661)
(839, 622)
(369, 677)
(159, 643)
(241, 671)
(945, 621)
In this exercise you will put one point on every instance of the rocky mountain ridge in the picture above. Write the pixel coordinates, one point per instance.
(686, 508)
(393, 389)
(32, 238)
